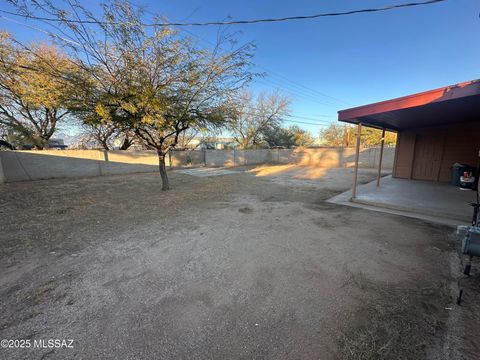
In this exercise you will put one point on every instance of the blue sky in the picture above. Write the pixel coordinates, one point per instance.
(354, 59)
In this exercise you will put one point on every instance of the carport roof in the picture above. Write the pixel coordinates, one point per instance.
(449, 104)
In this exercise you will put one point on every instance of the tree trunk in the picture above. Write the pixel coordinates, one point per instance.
(40, 142)
(126, 143)
(163, 170)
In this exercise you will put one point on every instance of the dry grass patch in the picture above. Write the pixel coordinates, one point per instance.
(396, 322)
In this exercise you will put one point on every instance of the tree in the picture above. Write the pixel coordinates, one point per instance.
(151, 81)
(335, 135)
(293, 136)
(105, 134)
(126, 137)
(100, 134)
(4, 143)
(34, 90)
(345, 135)
(373, 137)
(252, 117)
(301, 137)
(277, 136)
(194, 138)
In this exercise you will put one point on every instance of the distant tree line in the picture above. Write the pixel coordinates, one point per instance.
(258, 123)
(339, 135)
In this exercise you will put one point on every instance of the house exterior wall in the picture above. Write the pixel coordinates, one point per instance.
(404, 155)
(429, 153)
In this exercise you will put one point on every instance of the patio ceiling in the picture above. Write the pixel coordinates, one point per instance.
(450, 104)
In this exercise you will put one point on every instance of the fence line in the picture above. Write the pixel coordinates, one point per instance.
(44, 164)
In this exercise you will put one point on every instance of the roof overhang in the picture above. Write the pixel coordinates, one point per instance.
(450, 104)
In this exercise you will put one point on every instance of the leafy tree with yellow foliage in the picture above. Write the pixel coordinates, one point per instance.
(36, 90)
(346, 135)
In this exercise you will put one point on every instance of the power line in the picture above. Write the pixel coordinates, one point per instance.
(253, 111)
(285, 87)
(299, 94)
(251, 108)
(295, 86)
(235, 22)
(308, 118)
(296, 89)
(283, 118)
(303, 122)
(299, 85)
(293, 90)
(39, 29)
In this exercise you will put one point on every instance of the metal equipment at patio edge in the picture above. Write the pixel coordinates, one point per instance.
(471, 241)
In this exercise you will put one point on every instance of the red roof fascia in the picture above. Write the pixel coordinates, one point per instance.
(464, 89)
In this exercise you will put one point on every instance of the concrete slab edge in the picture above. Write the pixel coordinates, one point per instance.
(433, 219)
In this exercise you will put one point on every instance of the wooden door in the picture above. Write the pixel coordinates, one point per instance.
(427, 156)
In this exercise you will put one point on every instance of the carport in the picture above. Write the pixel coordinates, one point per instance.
(435, 130)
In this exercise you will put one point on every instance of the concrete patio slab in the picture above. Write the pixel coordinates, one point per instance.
(432, 201)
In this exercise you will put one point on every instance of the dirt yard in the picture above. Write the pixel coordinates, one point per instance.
(246, 265)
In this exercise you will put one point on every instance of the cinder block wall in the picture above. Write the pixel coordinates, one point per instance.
(45, 164)
(34, 165)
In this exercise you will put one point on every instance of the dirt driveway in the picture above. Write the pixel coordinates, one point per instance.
(235, 266)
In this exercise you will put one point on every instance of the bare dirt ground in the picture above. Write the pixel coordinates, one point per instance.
(252, 265)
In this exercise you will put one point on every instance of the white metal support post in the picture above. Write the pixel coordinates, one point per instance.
(379, 175)
(357, 156)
